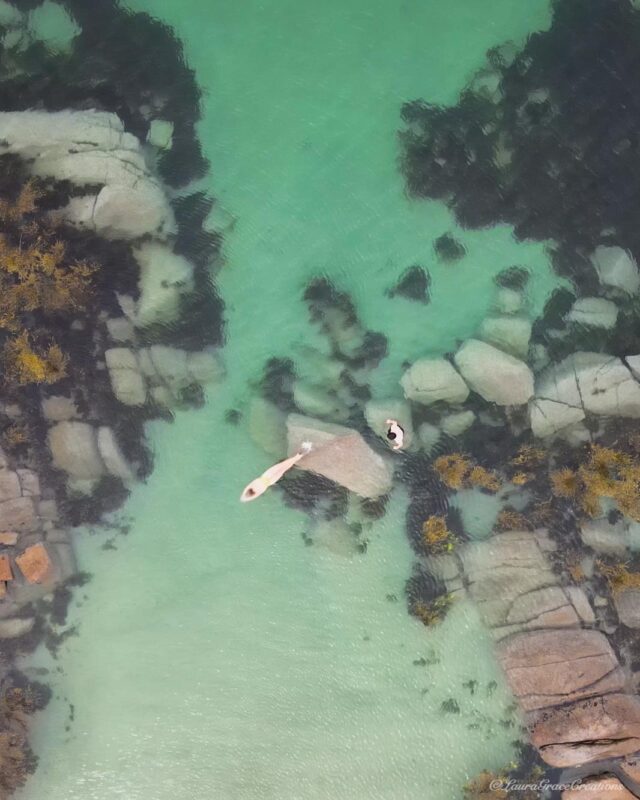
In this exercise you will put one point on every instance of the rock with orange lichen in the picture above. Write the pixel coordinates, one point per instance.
(6, 574)
(35, 564)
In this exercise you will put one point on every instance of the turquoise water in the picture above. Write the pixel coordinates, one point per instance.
(217, 656)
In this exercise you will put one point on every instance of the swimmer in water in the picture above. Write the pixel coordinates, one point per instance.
(395, 434)
(260, 485)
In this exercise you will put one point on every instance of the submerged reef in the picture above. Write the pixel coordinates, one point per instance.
(109, 316)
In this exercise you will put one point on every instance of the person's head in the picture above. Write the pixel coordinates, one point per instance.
(253, 490)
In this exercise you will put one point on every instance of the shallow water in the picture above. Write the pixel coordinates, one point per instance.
(218, 656)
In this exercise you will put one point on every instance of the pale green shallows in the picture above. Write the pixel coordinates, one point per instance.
(218, 657)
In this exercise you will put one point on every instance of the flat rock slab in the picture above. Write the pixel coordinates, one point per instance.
(549, 667)
(511, 581)
(586, 731)
(583, 383)
(340, 454)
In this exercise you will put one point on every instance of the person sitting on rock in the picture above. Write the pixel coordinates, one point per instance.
(395, 434)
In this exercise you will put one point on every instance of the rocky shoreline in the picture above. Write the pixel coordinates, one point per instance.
(109, 317)
(522, 457)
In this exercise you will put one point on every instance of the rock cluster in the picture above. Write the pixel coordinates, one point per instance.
(564, 673)
(36, 554)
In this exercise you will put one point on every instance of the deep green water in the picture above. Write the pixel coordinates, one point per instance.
(217, 656)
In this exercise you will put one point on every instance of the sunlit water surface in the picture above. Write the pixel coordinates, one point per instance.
(217, 656)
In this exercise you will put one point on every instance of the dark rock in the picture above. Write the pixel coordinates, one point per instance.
(413, 284)
(515, 278)
(448, 248)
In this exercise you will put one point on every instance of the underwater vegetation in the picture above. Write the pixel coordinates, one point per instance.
(437, 537)
(458, 471)
(40, 283)
(434, 611)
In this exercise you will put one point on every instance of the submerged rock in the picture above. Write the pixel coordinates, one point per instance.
(51, 24)
(316, 401)
(456, 424)
(509, 301)
(340, 454)
(496, 376)
(74, 449)
(165, 278)
(594, 312)
(509, 333)
(616, 268)
(606, 537)
(430, 380)
(127, 382)
(429, 436)
(627, 605)
(413, 284)
(448, 248)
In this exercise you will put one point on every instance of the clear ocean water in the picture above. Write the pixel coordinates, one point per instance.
(216, 656)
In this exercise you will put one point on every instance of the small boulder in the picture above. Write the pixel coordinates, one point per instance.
(9, 485)
(13, 627)
(129, 387)
(172, 366)
(431, 380)
(509, 333)
(205, 367)
(52, 24)
(10, 17)
(627, 605)
(509, 301)
(429, 436)
(57, 408)
(112, 455)
(120, 329)
(594, 312)
(457, 423)
(317, 402)
(8, 538)
(496, 376)
(74, 449)
(340, 454)
(604, 537)
(413, 284)
(616, 268)
(160, 134)
(18, 514)
(165, 278)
